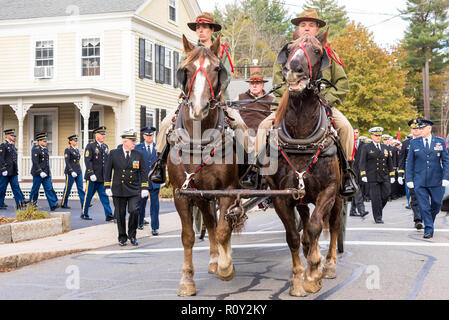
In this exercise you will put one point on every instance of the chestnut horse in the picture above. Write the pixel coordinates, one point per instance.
(298, 115)
(202, 75)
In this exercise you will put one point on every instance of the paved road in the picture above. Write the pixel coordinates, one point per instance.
(390, 261)
(96, 212)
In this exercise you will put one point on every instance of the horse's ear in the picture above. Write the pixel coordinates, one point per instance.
(181, 75)
(187, 45)
(215, 47)
(283, 55)
(325, 62)
(323, 37)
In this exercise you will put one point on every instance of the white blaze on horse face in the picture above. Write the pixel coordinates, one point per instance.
(295, 83)
(201, 84)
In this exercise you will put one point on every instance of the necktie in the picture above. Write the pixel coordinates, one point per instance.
(427, 144)
(127, 155)
(378, 147)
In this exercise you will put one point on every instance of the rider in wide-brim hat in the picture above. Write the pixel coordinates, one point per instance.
(308, 15)
(204, 18)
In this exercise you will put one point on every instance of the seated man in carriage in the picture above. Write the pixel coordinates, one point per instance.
(308, 24)
(204, 26)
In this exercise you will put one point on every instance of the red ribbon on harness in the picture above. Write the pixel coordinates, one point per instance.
(207, 77)
(225, 48)
(333, 56)
(303, 48)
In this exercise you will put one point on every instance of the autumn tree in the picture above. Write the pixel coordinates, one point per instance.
(377, 83)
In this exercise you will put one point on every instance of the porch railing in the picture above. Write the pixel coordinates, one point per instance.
(57, 166)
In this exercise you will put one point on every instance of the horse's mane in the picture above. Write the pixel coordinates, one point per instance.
(199, 52)
(282, 108)
(307, 39)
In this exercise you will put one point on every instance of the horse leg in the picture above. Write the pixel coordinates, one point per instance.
(287, 216)
(330, 266)
(225, 269)
(187, 284)
(209, 221)
(313, 275)
(304, 213)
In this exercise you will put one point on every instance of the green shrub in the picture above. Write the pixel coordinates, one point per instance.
(166, 192)
(31, 212)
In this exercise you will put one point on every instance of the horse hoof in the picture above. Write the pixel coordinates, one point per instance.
(212, 268)
(297, 289)
(312, 286)
(186, 289)
(330, 272)
(226, 276)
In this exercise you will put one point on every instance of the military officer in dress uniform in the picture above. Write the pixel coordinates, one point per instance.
(9, 171)
(416, 132)
(95, 157)
(357, 200)
(72, 172)
(427, 171)
(376, 169)
(148, 149)
(129, 185)
(41, 172)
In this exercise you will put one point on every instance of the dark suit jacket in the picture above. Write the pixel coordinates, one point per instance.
(41, 161)
(427, 167)
(8, 158)
(129, 178)
(149, 158)
(376, 164)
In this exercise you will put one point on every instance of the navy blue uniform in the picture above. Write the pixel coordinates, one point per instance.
(8, 164)
(41, 163)
(427, 168)
(150, 157)
(72, 165)
(95, 157)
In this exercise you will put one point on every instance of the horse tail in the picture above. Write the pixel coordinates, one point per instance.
(282, 108)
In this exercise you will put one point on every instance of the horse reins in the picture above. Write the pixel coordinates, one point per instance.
(303, 48)
(201, 68)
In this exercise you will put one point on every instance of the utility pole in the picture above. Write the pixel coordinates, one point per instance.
(426, 88)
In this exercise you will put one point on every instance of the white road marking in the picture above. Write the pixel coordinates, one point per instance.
(275, 245)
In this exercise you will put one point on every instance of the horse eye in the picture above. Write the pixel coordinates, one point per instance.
(217, 68)
(317, 51)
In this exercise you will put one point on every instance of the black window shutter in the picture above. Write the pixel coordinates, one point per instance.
(143, 119)
(156, 62)
(175, 68)
(163, 114)
(162, 63)
(141, 58)
(157, 119)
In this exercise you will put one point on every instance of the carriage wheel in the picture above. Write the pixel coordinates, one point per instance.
(342, 232)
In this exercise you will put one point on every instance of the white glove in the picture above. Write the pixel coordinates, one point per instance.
(392, 180)
(144, 193)
(109, 192)
(93, 178)
(365, 179)
(410, 185)
(74, 174)
(401, 180)
(5, 173)
(445, 183)
(43, 175)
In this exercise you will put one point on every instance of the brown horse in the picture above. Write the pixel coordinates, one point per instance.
(201, 76)
(298, 114)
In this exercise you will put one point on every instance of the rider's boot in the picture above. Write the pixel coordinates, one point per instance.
(349, 184)
(157, 172)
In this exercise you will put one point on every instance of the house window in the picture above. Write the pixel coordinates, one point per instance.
(90, 58)
(168, 66)
(148, 60)
(172, 10)
(44, 59)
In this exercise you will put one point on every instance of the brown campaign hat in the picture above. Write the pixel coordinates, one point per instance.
(256, 77)
(308, 15)
(206, 18)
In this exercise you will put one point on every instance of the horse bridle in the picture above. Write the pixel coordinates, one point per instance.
(303, 48)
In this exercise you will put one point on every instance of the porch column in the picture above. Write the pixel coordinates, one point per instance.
(118, 132)
(85, 106)
(21, 110)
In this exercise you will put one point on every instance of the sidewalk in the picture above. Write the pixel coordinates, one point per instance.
(15, 255)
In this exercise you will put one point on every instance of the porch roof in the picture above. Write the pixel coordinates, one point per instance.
(62, 95)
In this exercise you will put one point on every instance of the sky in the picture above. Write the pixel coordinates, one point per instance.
(378, 16)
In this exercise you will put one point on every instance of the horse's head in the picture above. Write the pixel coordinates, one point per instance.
(201, 75)
(303, 60)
